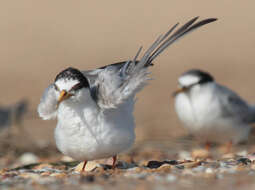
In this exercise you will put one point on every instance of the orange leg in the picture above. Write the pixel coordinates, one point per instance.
(114, 159)
(229, 146)
(207, 146)
(84, 165)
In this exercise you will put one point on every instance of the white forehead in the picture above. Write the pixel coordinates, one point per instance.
(66, 84)
(187, 80)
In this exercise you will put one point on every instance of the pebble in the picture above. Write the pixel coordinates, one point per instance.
(171, 162)
(251, 157)
(28, 158)
(200, 153)
(184, 155)
(67, 159)
(242, 153)
(253, 166)
(142, 175)
(171, 178)
(164, 168)
(125, 165)
(58, 175)
(45, 174)
(209, 170)
(135, 170)
(244, 161)
(43, 166)
(228, 156)
(188, 172)
(191, 164)
(154, 164)
(199, 169)
(90, 166)
(33, 176)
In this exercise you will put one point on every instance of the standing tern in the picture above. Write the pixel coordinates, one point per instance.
(95, 108)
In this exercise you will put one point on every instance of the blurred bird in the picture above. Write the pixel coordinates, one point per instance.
(212, 112)
(95, 108)
(13, 114)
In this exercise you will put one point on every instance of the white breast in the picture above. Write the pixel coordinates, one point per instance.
(85, 133)
(194, 106)
(200, 111)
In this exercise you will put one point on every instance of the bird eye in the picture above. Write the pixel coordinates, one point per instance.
(76, 87)
(56, 87)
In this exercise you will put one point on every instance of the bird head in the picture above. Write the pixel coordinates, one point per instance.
(69, 84)
(192, 78)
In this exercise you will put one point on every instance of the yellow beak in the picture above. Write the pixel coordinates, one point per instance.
(179, 91)
(63, 96)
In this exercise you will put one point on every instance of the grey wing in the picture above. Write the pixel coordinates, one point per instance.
(115, 83)
(233, 105)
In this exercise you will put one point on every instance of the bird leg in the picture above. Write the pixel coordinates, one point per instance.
(114, 159)
(84, 165)
(229, 146)
(207, 146)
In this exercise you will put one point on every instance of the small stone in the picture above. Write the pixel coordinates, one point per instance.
(198, 169)
(170, 178)
(3, 171)
(154, 164)
(45, 174)
(125, 165)
(171, 162)
(33, 176)
(244, 161)
(188, 172)
(242, 153)
(184, 155)
(165, 168)
(251, 157)
(143, 163)
(58, 175)
(155, 177)
(190, 164)
(253, 166)
(43, 166)
(209, 170)
(141, 175)
(200, 153)
(67, 159)
(135, 170)
(228, 156)
(90, 166)
(28, 158)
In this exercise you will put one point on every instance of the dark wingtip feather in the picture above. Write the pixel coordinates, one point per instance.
(186, 28)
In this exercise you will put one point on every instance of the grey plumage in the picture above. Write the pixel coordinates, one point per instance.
(113, 84)
(234, 106)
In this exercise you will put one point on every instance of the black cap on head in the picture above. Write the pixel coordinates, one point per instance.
(75, 74)
(203, 76)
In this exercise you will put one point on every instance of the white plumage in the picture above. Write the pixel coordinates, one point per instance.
(212, 112)
(95, 108)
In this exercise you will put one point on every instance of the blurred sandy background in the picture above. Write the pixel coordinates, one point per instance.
(38, 39)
